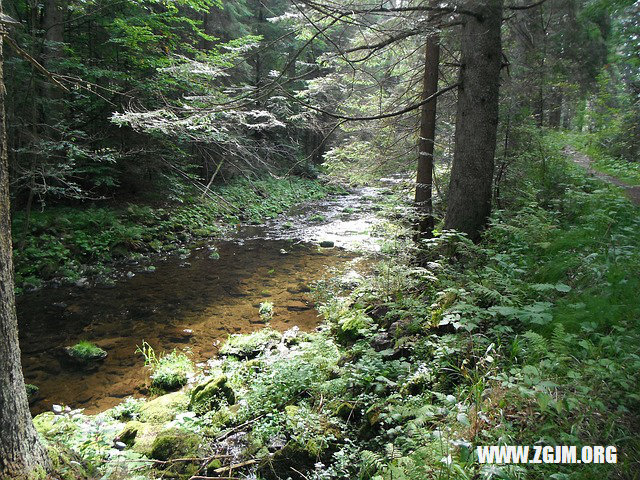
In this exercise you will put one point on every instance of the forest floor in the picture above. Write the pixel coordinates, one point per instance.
(633, 191)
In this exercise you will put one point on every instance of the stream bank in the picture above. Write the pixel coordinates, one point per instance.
(190, 300)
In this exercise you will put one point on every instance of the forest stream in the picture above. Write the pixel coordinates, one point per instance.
(190, 301)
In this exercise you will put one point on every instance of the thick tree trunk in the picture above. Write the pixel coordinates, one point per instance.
(469, 198)
(53, 25)
(426, 143)
(21, 453)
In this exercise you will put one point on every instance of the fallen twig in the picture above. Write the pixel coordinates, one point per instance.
(237, 465)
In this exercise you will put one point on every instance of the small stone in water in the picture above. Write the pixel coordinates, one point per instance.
(120, 445)
(82, 282)
(283, 251)
(130, 274)
(187, 331)
(327, 244)
(57, 409)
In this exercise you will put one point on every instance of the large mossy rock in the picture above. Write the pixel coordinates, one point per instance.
(140, 437)
(164, 408)
(175, 443)
(211, 394)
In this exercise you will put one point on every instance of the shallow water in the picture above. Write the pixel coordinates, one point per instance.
(193, 302)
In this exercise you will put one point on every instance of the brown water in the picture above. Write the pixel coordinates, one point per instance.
(210, 298)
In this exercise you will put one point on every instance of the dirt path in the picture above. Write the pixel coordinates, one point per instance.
(584, 161)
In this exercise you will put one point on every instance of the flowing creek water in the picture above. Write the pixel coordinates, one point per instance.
(190, 301)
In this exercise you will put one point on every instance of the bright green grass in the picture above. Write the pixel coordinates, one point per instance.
(86, 351)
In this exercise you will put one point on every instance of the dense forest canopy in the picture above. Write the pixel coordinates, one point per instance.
(502, 305)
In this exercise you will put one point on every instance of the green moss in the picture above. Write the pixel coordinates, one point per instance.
(32, 392)
(251, 345)
(174, 443)
(211, 395)
(164, 408)
(85, 352)
(140, 437)
(129, 433)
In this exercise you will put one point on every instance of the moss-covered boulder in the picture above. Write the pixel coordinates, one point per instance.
(129, 433)
(251, 345)
(164, 408)
(175, 443)
(139, 436)
(211, 394)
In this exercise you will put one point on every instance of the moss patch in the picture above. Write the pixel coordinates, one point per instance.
(211, 395)
(174, 443)
(249, 346)
(164, 408)
(85, 353)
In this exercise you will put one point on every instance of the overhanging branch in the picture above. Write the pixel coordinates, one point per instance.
(376, 117)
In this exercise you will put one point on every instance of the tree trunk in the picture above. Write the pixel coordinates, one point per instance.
(469, 198)
(426, 142)
(21, 453)
(259, 27)
(555, 109)
(53, 25)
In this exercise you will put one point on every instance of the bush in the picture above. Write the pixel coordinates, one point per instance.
(170, 371)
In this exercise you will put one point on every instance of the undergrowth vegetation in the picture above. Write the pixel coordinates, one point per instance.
(169, 371)
(529, 337)
(67, 243)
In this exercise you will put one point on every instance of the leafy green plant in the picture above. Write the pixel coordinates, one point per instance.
(169, 371)
(266, 311)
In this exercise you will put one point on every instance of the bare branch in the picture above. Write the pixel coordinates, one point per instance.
(34, 62)
(526, 7)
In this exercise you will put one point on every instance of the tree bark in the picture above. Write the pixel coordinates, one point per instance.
(426, 142)
(53, 25)
(21, 453)
(469, 198)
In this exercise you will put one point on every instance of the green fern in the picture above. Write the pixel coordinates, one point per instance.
(537, 346)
